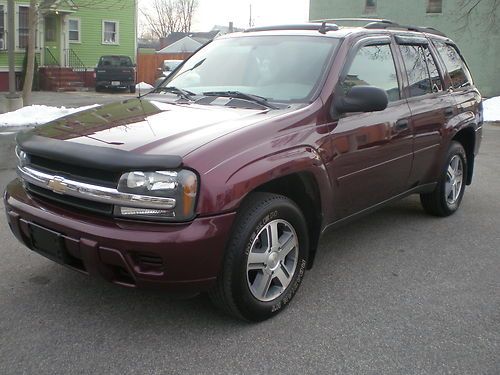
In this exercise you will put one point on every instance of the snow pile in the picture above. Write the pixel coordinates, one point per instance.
(492, 109)
(37, 114)
(144, 86)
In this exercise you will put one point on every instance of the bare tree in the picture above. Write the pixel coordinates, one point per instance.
(185, 13)
(30, 66)
(162, 18)
(468, 9)
(168, 16)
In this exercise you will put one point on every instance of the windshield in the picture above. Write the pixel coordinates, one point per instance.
(277, 68)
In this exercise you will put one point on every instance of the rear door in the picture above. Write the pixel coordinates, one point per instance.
(430, 104)
(372, 152)
(461, 86)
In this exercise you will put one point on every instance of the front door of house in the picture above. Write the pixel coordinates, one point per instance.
(52, 31)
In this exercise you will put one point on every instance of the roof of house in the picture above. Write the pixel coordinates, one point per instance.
(178, 42)
(148, 43)
(186, 44)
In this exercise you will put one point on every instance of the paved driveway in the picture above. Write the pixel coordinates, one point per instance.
(397, 292)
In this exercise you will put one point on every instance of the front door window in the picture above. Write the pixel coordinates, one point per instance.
(50, 29)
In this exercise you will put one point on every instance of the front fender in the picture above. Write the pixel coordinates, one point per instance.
(225, 195)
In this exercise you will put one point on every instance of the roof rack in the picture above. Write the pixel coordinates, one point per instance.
(380, 23)
(322, 27)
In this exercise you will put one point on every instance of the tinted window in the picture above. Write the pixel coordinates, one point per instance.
(416, 70)
(115, 61)
(374, 66)
(422, 72)
(457, 70)
(437, 83)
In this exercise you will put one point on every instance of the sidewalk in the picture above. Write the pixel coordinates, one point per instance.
(75, 98)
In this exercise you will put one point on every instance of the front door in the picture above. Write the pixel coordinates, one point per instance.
(52, 30)
(372, 152)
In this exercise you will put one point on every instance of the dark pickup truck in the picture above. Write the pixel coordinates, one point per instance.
(115, 72)
(224, 177)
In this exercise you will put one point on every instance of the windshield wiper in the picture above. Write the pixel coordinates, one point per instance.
(241, 95)
(182, 93)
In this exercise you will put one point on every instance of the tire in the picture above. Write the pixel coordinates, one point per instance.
(256, 291)
(446, 198)
(132, 89)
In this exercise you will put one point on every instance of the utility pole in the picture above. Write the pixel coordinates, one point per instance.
(250, 21)
(13, 99)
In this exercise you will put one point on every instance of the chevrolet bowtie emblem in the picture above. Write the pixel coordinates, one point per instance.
(57, 185)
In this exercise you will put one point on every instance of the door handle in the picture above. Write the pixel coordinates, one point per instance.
(448, 112)
(401, 125)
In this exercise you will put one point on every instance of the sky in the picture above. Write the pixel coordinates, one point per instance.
(264, 12)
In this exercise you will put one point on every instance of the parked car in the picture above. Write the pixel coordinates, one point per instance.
(224, 178)
(115, 72)
(166, 69)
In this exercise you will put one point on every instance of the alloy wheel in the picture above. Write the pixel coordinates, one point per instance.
(272, 260)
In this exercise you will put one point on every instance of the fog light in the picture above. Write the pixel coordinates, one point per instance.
(134, 211)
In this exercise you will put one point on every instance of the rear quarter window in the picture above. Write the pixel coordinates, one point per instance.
(457, 69)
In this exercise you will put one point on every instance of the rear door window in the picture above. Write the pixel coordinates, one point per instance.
(459, 74)
(422, 72)
(374, 66)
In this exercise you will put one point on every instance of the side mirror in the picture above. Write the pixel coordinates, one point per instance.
(361, 99)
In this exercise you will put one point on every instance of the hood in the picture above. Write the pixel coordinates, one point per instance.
(148, 126)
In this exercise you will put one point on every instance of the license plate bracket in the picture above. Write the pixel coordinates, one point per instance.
(47, 243)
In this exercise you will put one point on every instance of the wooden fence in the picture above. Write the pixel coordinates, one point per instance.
(147, 65)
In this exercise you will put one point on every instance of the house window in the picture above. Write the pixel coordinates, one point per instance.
(74, 30)
(370, 6)
(110, 32)
(3, 41)
(434, 6)
(23, 30)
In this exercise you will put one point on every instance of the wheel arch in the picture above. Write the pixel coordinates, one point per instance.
(467, 138)
(302, 188)
(297, 173)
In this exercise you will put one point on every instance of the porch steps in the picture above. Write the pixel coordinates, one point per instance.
(60, 79)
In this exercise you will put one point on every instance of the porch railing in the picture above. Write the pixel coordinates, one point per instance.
(50, 59)
(49, 80)
(74, 62)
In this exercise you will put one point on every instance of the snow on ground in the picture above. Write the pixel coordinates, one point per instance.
(492, 109)
(37, 114)
(144, 86)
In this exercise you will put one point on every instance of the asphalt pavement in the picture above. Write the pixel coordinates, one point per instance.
(398, 292)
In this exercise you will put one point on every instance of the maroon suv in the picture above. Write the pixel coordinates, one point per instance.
(224, 178)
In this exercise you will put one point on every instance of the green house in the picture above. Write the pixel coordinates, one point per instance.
(71, 36)
(478, 36)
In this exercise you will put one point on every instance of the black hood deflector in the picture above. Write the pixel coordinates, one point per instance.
(104, 158)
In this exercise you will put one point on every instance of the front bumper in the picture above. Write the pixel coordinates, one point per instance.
(181, 258)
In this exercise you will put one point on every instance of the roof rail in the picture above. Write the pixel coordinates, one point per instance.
(322, 27)
(396, 26)
(380, 23)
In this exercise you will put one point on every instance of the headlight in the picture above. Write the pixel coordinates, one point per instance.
(179, 185)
